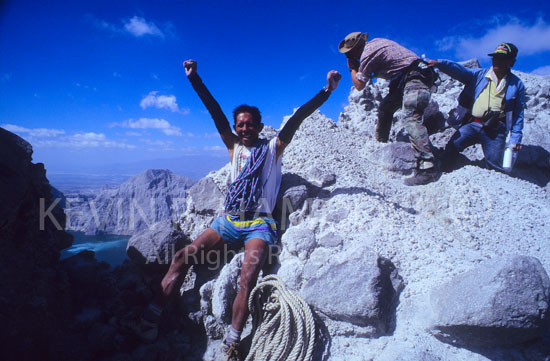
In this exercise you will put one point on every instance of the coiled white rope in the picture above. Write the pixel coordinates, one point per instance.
(283, 324)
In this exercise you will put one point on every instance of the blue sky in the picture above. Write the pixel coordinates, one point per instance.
(99, 82)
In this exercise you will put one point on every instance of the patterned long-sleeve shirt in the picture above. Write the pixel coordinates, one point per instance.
(383, 58)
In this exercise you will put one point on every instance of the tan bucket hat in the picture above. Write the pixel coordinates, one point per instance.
(351, 40)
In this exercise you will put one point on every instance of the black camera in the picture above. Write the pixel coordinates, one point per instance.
(491, 118)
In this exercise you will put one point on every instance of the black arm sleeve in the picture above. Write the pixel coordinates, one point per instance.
(222, 124)
(302, 113)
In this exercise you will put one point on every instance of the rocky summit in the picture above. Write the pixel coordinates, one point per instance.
(452, 270)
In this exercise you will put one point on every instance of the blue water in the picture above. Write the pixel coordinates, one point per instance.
(107, 248)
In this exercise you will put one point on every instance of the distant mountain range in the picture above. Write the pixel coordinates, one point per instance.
(141, 201)
(87, 179)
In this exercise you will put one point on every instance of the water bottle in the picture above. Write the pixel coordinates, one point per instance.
(508, 159)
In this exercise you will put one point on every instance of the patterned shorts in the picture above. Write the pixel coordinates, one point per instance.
(237, 233)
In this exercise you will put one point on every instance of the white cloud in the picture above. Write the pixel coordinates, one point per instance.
(213, 134)
(36, 132)
(530, 39)
(88, 140)
(150, 123)
(94, 140)
(136, 26)
(56, 138)
(139, 27)
(158, 145)
(134, 134)
(543, 70)
(215, 148)
(162, 143)
(159, 101)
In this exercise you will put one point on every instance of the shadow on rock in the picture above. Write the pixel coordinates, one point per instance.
(360, 190)
(291, 181)
(533, 165)
(393, 287)
(533, 350)
(535, 175)
(323, 341)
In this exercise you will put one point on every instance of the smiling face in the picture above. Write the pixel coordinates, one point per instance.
(247, 128)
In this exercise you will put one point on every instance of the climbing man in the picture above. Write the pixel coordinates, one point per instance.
(489, 108)
(251, 197)
(410, 83)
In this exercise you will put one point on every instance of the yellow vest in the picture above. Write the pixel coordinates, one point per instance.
(490, 98)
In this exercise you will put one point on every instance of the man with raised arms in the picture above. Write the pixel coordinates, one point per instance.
(251, 197)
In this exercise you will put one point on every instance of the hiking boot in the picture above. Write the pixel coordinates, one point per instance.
(231, 352)
(423, 176)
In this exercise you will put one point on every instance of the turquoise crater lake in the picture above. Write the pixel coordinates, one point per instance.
(107, 248)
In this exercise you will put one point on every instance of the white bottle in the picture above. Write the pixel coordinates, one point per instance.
(509, 157)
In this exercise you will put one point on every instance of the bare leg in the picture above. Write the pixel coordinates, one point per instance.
(194, 253)
(255, 252)
(147, 326)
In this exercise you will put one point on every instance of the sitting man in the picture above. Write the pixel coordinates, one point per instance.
(247, 221)
(410, 83)
(490, 106)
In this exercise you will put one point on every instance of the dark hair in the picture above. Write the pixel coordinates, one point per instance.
(243, 108)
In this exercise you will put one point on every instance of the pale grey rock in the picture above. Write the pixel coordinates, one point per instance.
(532, 90)
(405, 352)
(349, 286)
(221, 177)
(269, 132)
(293, 198)
(504, 301)
(206, 197)
(156, 245)
(205, 202)
(226, 288)
(337, 215)
(471, 63)
(320, 179)
(330, 239)
(291, 272)
(299, 241)
(217, 297)
(395, 157)
(294, 219)
(544, 92)
(140, 202)
(360, 114)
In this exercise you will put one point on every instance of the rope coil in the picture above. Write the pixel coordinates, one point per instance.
(283, 324)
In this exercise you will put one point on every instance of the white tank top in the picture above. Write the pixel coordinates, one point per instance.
(270, 178)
